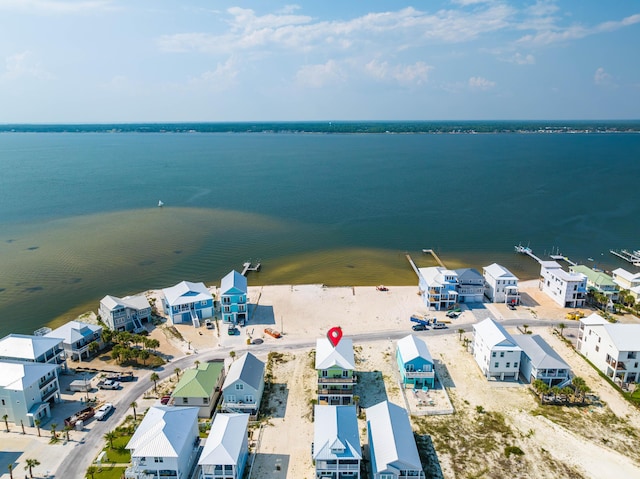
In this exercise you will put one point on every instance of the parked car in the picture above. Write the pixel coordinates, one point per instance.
(208, 324)
(103, 411)
(165, 400)
(453, 314)
(419, 327)
(108, 384)
(511, 306)
(439, 326)
(232, 331)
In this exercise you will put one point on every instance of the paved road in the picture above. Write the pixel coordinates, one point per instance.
(82, 456)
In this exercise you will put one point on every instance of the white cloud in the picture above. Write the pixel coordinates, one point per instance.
(40, 7)
(222, 78)
(602, 78)
(407, 75)
(543, 8)
(21, 65)
(480, 83)
(575, 32)
(520, 59)
(317, 76)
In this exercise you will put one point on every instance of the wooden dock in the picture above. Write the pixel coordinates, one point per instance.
(629, 257)
(413, 265)
(435, 256)
(248, 266)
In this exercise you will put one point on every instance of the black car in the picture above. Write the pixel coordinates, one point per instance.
(419, 327)
(512, 307)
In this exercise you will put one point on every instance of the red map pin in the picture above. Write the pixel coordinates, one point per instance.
(334, 335)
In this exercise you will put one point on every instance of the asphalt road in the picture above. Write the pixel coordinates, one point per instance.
(82, 456)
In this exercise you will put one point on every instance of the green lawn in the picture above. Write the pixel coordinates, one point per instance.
(109, 472)
(118, 455)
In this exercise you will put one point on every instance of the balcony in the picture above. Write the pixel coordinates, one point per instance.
(335, 392)
(336, 380)
(419, 374)
(336, 467)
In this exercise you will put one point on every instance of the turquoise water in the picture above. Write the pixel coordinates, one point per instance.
(78, 214)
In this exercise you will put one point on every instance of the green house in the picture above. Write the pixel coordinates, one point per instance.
(335, 367)
(200, 387)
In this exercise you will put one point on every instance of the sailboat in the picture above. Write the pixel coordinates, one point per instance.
(160, 204)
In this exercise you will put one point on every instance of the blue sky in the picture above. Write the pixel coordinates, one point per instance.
(154, 60)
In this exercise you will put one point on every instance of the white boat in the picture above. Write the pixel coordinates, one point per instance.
(160, 204)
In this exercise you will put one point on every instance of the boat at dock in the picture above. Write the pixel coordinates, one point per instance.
(629, 257)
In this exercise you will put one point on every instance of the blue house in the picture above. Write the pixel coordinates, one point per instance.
(188, 302)
(415, 363)
(233, 298)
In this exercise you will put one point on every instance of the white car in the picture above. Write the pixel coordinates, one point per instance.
(103, 411)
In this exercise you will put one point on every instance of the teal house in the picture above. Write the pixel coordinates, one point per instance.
(233, 298)
(415, 363)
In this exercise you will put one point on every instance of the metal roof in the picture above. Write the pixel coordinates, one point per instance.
(186, 292)
(494, 335)
(199, 382)
(233, 281)
(134, 302)
(19, 375)
(248, 369)
(412, 347)
(498, 271)
(74, 331)
(336, 433)
(164, 432)
(23, 346)
(342, 355)
(541, 355)
(225, 440)
(392, 444)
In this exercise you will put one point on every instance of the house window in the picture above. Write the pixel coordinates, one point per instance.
(239, 387)
(205, 400)
(508, 365)
(345, 373)
(185, 400)
(325, 373)
(248, 398)
(227, 309)
(496, 365)
(597, 348)
(158, 459)
(502, 354)
(493, 354)
(515, 365)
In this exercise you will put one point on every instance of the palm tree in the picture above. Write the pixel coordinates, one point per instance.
(133, 406)
(177, 371)
(144, 355)
(30, 464)
(5, 418)
(540, 387)
(460, 333)
(54, 426)
(91, 470)
(10, 467)
(155, 378)
(37, 423)
(67, 428)
(233, 355)
(93, 347)
(526, 327)
(22, 425)
(110, 436)
(561, 327)
(197, 363)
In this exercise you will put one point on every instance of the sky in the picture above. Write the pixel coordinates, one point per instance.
(107, 61)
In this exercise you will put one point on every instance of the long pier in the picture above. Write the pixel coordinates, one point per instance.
(435, 256)
(632, 258)
(413, 265)
(246, 267)
(528, 251)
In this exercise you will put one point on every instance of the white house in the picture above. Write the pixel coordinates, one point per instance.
(27, 391)
(37, 349)
(335, 367)
(438, 287)
(501, 284)
(243, 387)
(392, 447)
(188, 303)
(77, 338)
(495, 351)
(540, 361)
(166, 444)
(612, 348)
(470, 286)
(336, 449)
(569, 290)
(628, 281)
(227, 447)
(125, 314)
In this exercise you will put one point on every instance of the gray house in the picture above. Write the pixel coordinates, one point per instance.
(470, 286)
(125, 314)
(243, 387)
(540, 361)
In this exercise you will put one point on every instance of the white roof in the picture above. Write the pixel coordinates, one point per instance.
(134, 302)
(542, 355)
(593, 319)
(20, 375)
(412, 347)
(625, 337)
(392, 443)
(23, 346)
(336, 433)
(434, 275)
(74, 331)
(495, 335)
(248, 369)
(498, 271)
(233, 280)
(186, 292)
(623, 273)
(560, 273)
(342, 355)
(164, 431)
(225, 440)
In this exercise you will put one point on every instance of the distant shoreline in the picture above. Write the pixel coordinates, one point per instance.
(342, 127)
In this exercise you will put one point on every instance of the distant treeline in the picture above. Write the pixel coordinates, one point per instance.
(632, 126)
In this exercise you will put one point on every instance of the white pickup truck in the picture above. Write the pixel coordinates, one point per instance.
(109, 384)
(103, 411)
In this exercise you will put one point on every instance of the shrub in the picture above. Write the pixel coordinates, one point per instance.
(513, 450)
